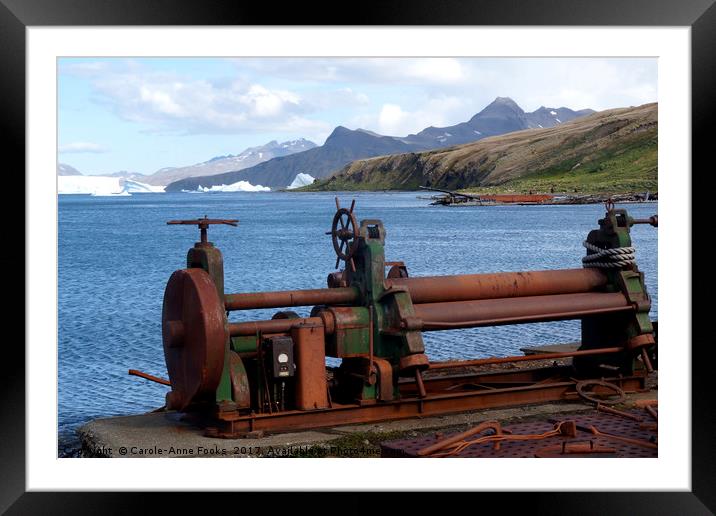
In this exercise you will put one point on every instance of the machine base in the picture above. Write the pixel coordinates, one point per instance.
(445, 395)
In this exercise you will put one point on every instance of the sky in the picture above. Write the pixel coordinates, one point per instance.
(143, 114)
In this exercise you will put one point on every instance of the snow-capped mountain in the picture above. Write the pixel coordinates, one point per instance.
(66, 170)
(344, 145)
(231, 162)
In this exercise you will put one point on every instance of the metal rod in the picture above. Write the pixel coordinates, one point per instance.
(270, 326)
(419, 383)
(465, 287)
(279, 299)
(507, 360)
(647, 362)
(609, 410)
(149, 377)
(437, 325)
(370, 341)
(491, 312)
(435, 289)
(653, 221)
(629, 440)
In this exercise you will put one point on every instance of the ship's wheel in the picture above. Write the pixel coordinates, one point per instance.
(344, 234)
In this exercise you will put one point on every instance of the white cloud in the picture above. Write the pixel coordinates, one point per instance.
(440, 70)
(419, 71)
(391, 119)
(82, 147)
(309, 96)
(83, 67)
(578, 83)
(169, 103)
(395, 120)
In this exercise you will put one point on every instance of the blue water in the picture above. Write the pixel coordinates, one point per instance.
(116, 254)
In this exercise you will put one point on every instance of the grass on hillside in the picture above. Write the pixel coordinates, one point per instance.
(630, 170)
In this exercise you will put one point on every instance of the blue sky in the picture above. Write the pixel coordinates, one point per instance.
(142, 114)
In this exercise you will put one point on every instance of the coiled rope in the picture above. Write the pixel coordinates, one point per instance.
(617, 257)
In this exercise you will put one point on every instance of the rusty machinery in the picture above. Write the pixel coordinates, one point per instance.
(271, 375)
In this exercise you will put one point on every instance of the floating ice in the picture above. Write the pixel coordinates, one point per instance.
(131, 186)
(102, 186)
(240, 186)
(300, 180)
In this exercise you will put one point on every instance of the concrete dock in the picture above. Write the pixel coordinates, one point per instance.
(166, 434)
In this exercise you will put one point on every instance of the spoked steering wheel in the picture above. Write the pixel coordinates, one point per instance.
(344, 234)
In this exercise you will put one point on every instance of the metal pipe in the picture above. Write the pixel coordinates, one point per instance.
(491, 312)
(454, 439)
(508, 360)
(150, 377)
(279, 299)
(271, 326)
(466, 287)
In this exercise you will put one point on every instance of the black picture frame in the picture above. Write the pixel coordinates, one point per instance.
(700, 15)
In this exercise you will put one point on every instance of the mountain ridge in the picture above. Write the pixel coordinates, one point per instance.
(230, 162)
(616, 147)
(346, 145)
(249, 157)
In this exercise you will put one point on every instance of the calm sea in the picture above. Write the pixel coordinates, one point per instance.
(116, 254)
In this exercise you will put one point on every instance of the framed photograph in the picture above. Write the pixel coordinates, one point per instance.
(206, 116)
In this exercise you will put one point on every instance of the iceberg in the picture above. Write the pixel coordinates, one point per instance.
(102, 186)
(89, 185)
(132, 186)
(240, 186)
(301, 180)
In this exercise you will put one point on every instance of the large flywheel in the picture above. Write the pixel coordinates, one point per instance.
(194, 334)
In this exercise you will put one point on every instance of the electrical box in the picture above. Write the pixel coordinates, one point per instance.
(280, 352)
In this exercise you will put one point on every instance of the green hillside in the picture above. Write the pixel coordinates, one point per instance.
(610, 151)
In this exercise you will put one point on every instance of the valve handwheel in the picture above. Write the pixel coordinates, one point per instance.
(203, 225)
(344, 233)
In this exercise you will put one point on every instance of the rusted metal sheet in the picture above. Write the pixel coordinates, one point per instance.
(633, 440)
(491, 312)
(194, 335)
(311, 384)
(466, 287)
(319, 296)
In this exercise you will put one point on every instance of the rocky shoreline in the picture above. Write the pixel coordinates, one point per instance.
(477, 199)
